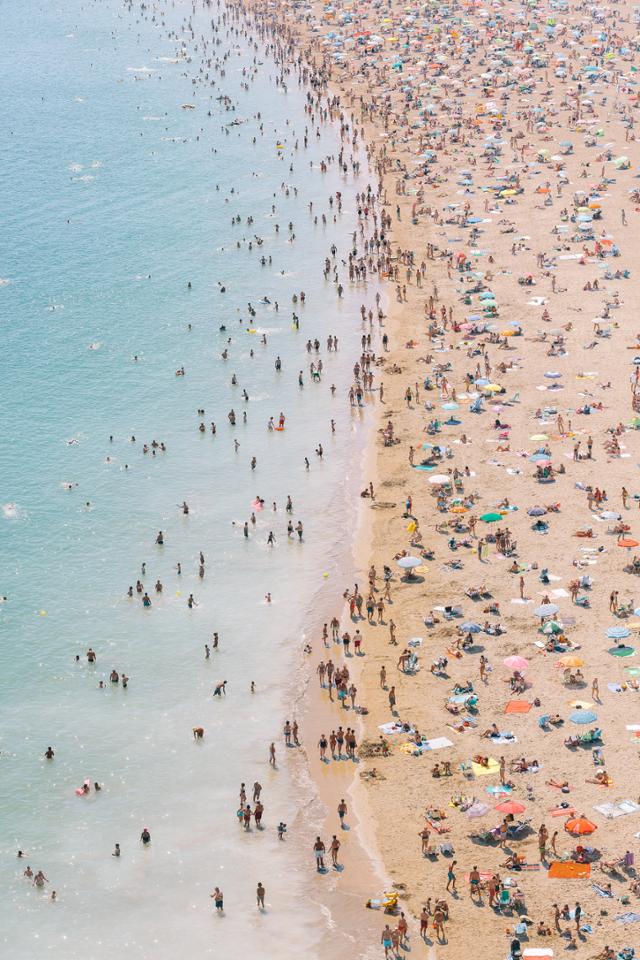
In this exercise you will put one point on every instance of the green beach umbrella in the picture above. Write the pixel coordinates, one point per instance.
(491, 517)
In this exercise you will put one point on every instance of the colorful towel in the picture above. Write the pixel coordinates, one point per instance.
(569, 871)
(481, 771)
(517, 706)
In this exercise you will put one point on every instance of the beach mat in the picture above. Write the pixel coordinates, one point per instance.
(517, 706)
(480, 771)
(569, 871)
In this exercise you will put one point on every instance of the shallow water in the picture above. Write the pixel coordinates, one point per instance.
(110, 207)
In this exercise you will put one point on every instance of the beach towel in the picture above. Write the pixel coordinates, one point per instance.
(537, 952)
(392, 727)
(613, 810)
(426, 746)
(562, 812)
(569, 871)
(481, 771)
(629, 917)
(505, 736)
(517, 706)
(601, 891)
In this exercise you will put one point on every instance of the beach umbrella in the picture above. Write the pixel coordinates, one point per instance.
(510, 806)
(546, 610)
(628, 542)
(618, 633)
(450, 406)
(470, 626)
(553, 375)
(477, 809)
(408, 563)
(570, 661)
(536, 512)
(610, 515)
(539, 437)
(439, 478)
(491, 517)
(583, 716)
(552, 626)
(622, 651)
(579, 826)
(539, 458)
(516, 663)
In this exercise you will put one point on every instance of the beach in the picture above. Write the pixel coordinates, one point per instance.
(505, 467)
(320, 472)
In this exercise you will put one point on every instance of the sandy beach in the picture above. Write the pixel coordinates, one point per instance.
(444, 714)
(505, 466)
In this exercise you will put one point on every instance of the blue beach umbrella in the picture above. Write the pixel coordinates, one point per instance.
(470, 626)
(583, 716)
(618, 633)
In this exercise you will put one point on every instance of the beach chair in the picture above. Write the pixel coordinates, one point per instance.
(476, 406)
(466, 768)
(504, 901)
(515, 398)
(543, 721)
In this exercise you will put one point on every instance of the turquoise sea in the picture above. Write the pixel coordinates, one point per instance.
(115, 196)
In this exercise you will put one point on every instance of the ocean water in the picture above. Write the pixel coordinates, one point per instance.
(114, 198)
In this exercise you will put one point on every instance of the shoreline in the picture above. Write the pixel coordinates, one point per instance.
(499, 477)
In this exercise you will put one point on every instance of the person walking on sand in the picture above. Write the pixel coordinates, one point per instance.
(451, 878)
(334, 849)
(543, 836)
(386, 939)
(438, 922)
(272, 754)
(318, 852)
(260, 892)
(474, 884)
(424, 835)
(342, 812)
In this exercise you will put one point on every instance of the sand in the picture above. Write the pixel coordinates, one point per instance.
(518, 129)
